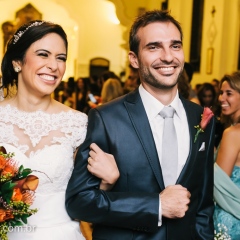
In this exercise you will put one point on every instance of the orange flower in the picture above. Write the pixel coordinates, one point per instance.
(28, 197)
(28, 183)
(10, 168)
(9, 215)
(5, 215)
(2, 215)
(17, 195)
(2, 162)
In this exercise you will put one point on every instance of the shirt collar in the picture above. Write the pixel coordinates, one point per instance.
(153, 106)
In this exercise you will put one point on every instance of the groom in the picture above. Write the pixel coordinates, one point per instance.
(146, 203)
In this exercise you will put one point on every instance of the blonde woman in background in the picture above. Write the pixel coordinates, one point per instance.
(112, 89)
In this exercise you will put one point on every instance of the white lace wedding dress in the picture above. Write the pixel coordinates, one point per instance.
(45, 142)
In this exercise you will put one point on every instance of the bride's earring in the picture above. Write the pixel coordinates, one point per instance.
(17, 69)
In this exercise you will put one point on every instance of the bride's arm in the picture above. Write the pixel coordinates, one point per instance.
(103, 166)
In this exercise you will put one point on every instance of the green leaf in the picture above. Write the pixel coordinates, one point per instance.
(7, 190)
(20, 169)
(26, 172)
(16, 222)
(24, 218)
(8, 185)
(23, 172)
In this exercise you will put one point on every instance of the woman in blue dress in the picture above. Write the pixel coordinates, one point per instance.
(227, 165)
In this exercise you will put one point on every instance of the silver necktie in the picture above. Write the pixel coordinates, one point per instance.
(169, 161)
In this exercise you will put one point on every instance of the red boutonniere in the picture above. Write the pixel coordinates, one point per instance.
(206, 117)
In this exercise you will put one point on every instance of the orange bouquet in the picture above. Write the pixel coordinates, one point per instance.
(17, 188)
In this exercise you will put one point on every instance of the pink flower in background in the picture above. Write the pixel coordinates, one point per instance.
(206, 117)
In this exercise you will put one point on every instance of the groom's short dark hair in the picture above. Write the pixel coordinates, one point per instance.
(145, 19)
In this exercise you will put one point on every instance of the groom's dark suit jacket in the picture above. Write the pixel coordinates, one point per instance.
(130, 209)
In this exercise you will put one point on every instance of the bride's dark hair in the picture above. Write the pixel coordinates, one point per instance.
(17, 46)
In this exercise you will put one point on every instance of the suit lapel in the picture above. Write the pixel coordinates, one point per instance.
(140, 121)
(141, 125)
(193, 118)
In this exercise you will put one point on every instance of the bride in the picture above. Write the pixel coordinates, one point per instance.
(43, 133)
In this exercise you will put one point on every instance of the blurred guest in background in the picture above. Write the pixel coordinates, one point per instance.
(227, 166)
(183, 85)
(207, 98)
(82, 89)
(188, 68)
(112, 89)
(215, 83)
(207, 95)
(65, 95)
(133, 80)
(105, 76)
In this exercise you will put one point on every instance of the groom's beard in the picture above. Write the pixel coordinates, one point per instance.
(155, 81)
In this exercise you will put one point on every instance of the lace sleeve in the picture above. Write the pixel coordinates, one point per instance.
(79, 129)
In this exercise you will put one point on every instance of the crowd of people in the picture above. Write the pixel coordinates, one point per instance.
(97, 143)
(86, 93)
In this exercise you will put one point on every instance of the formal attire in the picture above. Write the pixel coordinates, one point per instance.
(46, 143)
(227, 197)
(131, 210)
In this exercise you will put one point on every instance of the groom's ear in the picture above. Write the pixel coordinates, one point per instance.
(133, 59)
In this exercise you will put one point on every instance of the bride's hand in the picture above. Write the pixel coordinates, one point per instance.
(103, 166)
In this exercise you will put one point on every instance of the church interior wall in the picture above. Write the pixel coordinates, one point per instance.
(92, 31)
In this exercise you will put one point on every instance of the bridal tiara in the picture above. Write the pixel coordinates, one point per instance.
(20, 33)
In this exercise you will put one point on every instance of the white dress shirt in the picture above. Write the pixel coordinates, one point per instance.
(153, 107)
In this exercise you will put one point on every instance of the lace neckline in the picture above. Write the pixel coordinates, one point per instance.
(39, 124)
(16, 110)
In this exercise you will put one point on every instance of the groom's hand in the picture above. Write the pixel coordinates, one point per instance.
(174, 201)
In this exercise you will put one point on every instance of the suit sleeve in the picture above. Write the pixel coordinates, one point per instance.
(85, 201)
